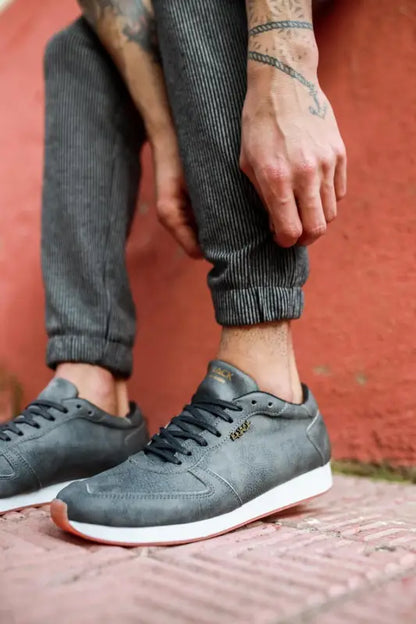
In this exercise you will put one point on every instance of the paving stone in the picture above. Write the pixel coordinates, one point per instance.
(349, 557)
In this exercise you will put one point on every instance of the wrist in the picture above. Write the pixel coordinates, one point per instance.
(263, 77)
(163, 140)
(287, 71)
(300, 58)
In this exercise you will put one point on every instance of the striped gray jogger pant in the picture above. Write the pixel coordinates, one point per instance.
(91, 177)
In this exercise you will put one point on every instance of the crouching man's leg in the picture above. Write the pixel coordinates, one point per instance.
(252, 440)
(93, 138)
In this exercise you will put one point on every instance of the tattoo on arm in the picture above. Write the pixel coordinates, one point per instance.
(320, 108)
(281, 25)
(261, 23)
(135, 17)
(294, 8)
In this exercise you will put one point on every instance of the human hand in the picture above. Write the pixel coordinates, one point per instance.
(291, 148)
(295, 159)
(172, 200)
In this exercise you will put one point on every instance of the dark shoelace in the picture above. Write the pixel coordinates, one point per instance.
(37, 408)
(166, 443)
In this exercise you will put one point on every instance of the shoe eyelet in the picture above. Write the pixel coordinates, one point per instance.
(20, 434)
(254, 402)
(90, 412)
(37, 426)
(179, 463)
(270, 404)
(218, 434)
(52, 418)
(231, 420)
(79, 406)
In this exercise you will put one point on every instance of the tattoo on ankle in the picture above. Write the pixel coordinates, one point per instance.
(136, 19)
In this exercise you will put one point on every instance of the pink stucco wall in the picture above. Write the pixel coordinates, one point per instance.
(356, 341)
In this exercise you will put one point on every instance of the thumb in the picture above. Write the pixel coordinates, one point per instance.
(172, 203)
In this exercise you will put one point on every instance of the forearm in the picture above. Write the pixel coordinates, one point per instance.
(282, 47)
(127, 30)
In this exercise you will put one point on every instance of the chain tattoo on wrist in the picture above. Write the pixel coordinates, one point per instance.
(281, 8)
(319, 109)
(281, 25)
(137, 22)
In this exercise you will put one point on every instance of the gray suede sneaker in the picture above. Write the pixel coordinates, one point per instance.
(60, 438)
(234, 455)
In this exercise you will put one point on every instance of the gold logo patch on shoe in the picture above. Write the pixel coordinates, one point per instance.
(221, 374)
(240, 430)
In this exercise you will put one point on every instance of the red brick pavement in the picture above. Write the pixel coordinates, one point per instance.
(349, 557)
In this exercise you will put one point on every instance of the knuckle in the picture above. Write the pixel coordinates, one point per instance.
(331, 216)
(307, 168)
(328, 162)
(315, 231)
(284, 200)
(273, 172)
(341, 152)
(327, 187)
(341, 193)
(327, 181)
(291, 231)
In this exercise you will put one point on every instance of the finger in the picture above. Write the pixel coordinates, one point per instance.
(173, 215)
(186, 239)
(276, 190)
(311, 214)
(173, 205)
(194, 249)
(267, 205)
(286, 225)
(328, 196)
(340, 177)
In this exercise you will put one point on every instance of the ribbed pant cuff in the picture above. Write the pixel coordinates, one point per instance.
(251, 306)
(114, 356)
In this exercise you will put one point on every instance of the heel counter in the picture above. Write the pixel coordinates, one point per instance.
(143, 434)
(317, 434)
(137, 439)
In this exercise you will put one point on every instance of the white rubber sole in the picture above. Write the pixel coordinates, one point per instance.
(33, 499)
(287, 494)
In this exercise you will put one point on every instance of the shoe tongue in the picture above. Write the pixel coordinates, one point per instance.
(59, 389)
(225, 382)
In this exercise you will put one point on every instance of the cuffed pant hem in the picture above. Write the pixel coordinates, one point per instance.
(114, 356)
(251, 306)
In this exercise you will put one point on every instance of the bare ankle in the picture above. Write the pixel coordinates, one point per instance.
(95, 384)
(122, 397)
(265, 352)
